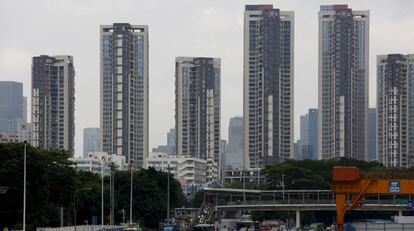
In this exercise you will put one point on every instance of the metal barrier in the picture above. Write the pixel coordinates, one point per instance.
(83, 228)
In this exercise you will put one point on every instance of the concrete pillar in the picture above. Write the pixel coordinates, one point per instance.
(298, 225)
(400, 213)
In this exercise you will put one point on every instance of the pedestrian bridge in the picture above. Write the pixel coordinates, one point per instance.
(227, 199)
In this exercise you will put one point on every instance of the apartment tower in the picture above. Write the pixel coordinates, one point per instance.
(124, 91)
(343, 82)
(268, 85)
(53, 102)
(197, 110)
(395, 108)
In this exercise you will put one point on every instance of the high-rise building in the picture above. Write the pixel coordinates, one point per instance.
(169, 148)
(395, 107)
(313, 132)
(343, 82)
(171, 141)
(236, 135)
(372, 134)
(222, 155)
(309, 135)
(124, 91)
(234, 152)
(53, 102)
(24, 110)
(11, 105)
(91, 140)
(268, 85)
(197, 110)
(303, 145)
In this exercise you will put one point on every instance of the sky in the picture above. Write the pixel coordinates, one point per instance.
(209, 28)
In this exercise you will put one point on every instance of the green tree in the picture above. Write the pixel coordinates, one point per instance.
(52, 182)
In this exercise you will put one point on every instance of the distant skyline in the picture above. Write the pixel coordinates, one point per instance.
(180, 28)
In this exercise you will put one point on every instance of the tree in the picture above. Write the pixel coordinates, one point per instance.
(52, 182)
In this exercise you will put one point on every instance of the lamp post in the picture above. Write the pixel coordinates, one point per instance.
(244, 185)
(74, 203)
(281, 183)
(112, 167)
(130, 199)
(102, 191)
(24, 187)
(168, 193)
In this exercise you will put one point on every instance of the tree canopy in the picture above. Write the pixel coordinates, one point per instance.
(52, 182)
(309, 174)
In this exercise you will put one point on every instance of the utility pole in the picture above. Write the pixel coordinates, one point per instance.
(102, 190)
(244, 185)
(282, 183)
(24, 187)
(74, 203)
(112, 215)
(130, 200)
(168, 193)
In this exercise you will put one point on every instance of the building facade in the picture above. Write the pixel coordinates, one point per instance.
(197, 110)
(11, 105)
(309, 135)
(304, 146)
(124, 91)
(91, 140)
(171, 141)
(268, 85)
(186, 169)
(53, 102)
(343, 82)
(395, 105)
(99, 163)
(234, 152)
(169, 148)
(372, 134)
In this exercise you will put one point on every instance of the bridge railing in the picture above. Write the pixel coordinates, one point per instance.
(223, 196)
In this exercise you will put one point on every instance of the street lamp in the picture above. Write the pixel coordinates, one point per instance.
(168, 193)
(130, 201)
(24, 187)
(102, 190)
(74, 203)
(281, 183)
(112, 167)
(244, 185)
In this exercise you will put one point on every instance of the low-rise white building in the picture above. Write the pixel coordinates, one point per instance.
(95, 161)
(187, 170)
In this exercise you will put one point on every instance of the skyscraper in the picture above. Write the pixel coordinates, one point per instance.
(91, 141)
(303, 145)
(169, 148)
(53, 102)
(171, 141)
(308, 146)
(24, 110)
(395, 105)
(197, 110)
(343, 82)
(124, 91)
(234, 152)
(268, 85)
(313, 132)
(372, 134)
(11, 105)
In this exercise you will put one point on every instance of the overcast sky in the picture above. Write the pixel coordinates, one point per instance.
(179, 28)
